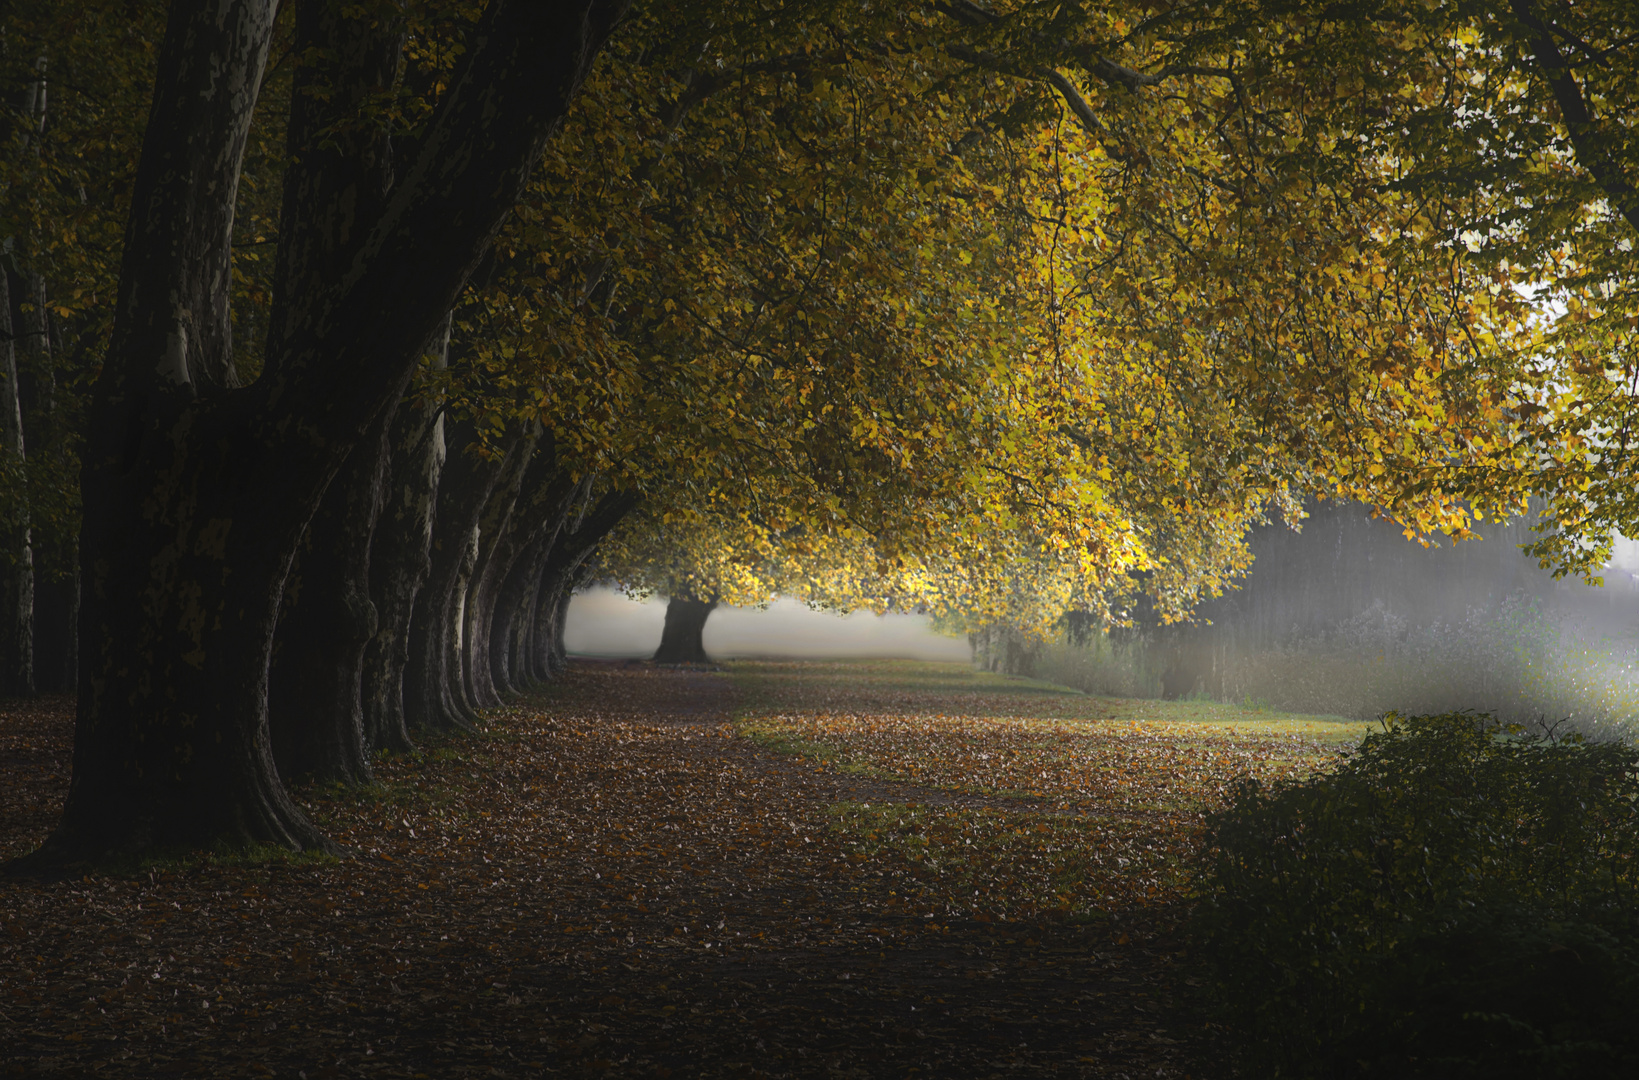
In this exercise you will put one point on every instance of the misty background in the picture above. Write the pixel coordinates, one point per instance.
(604, 622)
(1343, 617)
(1347, 617)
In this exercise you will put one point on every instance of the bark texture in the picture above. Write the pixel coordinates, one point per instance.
(315, 707)
(196, 490)
(563, 570)
(495, 526)
(537, 518)
(434, 697)
(400, 560)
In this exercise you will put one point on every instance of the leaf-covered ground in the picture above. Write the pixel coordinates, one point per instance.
(785, 870)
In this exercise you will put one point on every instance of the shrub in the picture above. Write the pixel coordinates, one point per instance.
(1456, 899)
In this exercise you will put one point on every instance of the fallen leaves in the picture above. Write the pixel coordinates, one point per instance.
(613, 881)
(1080, 813)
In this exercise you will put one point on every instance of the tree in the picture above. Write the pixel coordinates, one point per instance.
(76, 76)
(1088, 289)
(698, 560)
(1513, 123)
(1157, 369)
(196, 488)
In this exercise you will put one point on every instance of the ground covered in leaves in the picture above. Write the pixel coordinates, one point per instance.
(852, 870)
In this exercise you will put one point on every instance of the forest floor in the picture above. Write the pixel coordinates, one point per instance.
(864, 870)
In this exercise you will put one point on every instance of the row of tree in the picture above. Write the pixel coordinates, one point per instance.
(409, 316)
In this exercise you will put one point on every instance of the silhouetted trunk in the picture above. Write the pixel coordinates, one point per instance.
(564, 569)
(495, 525)
(16, 553)
(400, 560)
(683, 640)
(434, 698)
(538, 518)
(56, 637)
(315, 708)
(197, 492)
(558, 656)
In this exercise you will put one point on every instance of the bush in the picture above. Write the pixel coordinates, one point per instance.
(1456, 899)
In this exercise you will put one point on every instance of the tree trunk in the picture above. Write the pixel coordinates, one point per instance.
(558, 656)
(400, 560)
(196, 493)
(56, 638)
(16, 554)
(494, 527)
(514, 618)
(564, 569)
(683, 641)
(545, 629)
(538, 517)
(171, 747)
(434, 698)
(52, 477)
(22, 299)
(315, 707)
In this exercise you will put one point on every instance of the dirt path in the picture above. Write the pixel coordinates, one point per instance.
(613, 885)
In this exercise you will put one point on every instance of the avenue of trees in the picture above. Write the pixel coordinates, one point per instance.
(342, 342)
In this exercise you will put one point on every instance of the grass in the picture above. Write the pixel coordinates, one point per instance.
(1087, 804)
(924, 686)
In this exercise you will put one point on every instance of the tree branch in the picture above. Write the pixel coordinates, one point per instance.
(1579, 119)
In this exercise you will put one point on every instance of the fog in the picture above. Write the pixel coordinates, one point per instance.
(603, 622)
(1348, 617)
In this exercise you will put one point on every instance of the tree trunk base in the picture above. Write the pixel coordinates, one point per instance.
(683, 639)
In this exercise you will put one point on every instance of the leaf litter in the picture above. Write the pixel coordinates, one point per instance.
(615, 880)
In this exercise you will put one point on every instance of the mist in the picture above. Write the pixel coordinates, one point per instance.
(1347, 617)
(603, 622)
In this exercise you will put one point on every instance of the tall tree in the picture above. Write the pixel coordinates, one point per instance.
(196, 488)
(17, 553)
(400, 560)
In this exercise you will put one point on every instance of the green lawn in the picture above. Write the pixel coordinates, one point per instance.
(1089, 803)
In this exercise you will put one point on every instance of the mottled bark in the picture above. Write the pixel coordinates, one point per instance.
(400, 560)
(337, 186)
(682, 640)
(434, 698)
(16, 552)
(315, 708)
(514, 623)
(196, 493)
(545, 646)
